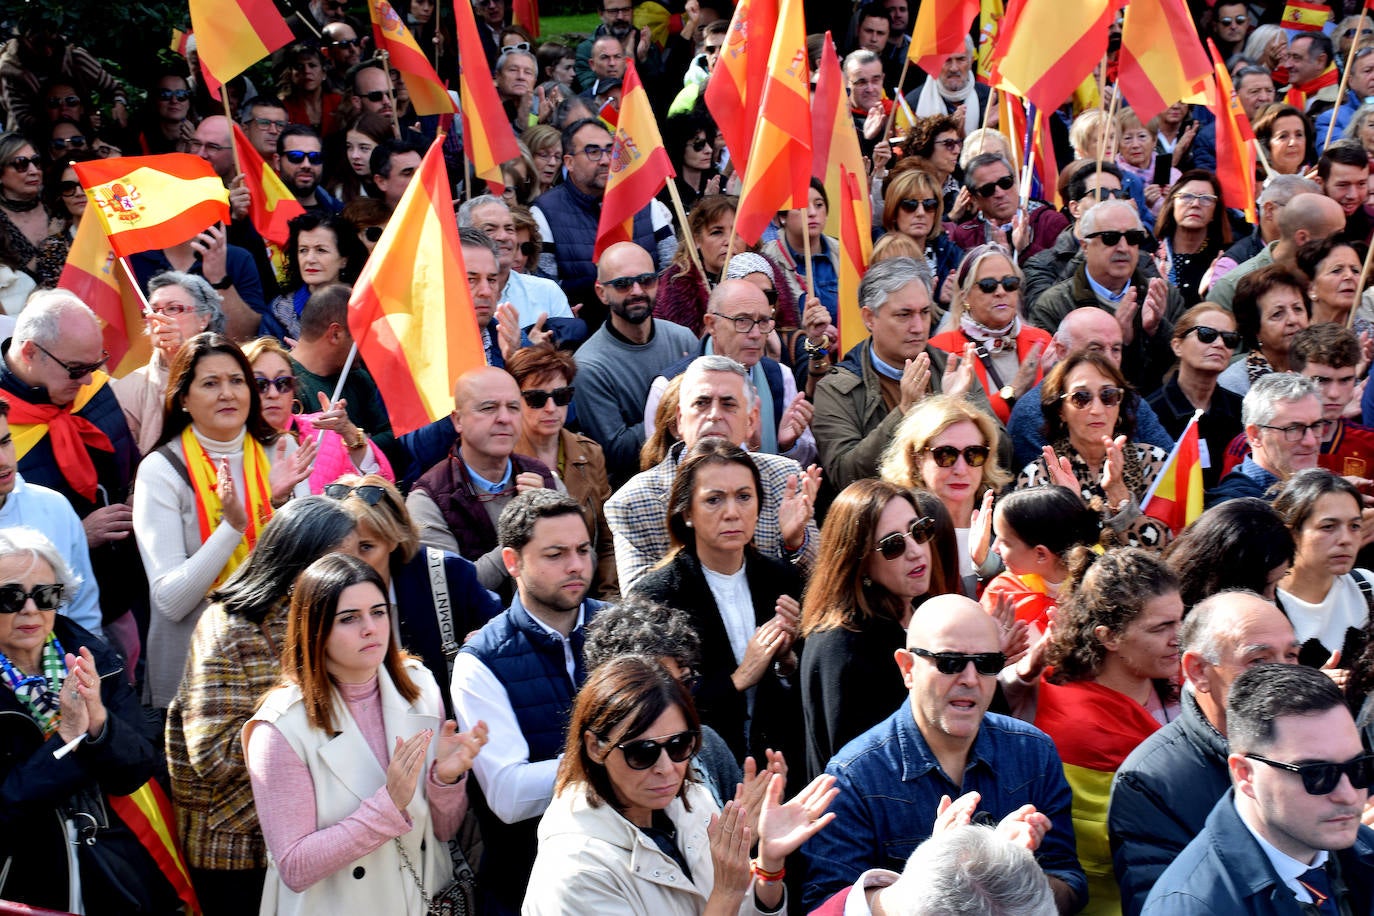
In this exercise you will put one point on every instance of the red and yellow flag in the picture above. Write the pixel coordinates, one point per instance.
(941, 29)
(146, 202)
(411, 311)
(1235, 142)
(1044, 50)
(273, 206)
(990, 15)
(525, 13)
(233, 35)
(148, 814)
(1175, 498)
(427, 95)
(838, 162)
(639, 165)
(487, 136)
(779, 167)
(1162, 61)
(734, 90)
(1301, 16)
(1046, 167)
(96, 277)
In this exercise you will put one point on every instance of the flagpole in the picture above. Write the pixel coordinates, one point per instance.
(987, 116)
(390, 92)
(687, 238)
(892, 115)
(1106, 121)
(1359, 294)
(138, 290)
(729, 250)
(1345, 80)
(806, 250)
(1264, 160)
(224, 96)
(343, 373)
(1173, 453)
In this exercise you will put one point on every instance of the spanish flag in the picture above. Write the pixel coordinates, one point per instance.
(427, 95)
(273, 205)
(1235, 147)
(1301, 16)
(525, 13)
(488, 139)
(1175, 497)
(148, 814)
(1044, 50)
(941, 30)
(734, 90)
(411, 311)
(233, 35)
(146, 202)
(639, 165)
(97, 278)
(1162, 61)
(991, 13)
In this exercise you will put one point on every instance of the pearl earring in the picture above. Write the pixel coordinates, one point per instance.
(867, 582)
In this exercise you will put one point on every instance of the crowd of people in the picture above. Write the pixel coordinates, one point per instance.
(687, 607)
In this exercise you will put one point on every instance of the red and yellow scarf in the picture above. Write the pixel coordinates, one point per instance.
(72, 435)
(1298, 95)
(204, 478)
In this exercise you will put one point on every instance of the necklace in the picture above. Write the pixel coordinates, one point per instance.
(18, 206)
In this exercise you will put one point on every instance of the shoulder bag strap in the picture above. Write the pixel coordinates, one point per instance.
(443, 608)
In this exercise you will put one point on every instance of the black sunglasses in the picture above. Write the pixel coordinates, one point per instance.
(1109, 194)
(45, 597)
(68, 188)
(644, 753)
(57, 101)
(1317, 778)
(1241, 20)
(1229, 339)
(347, 43)
(372, 233)
(537, 397)
(61, 143)
(699, 144)
(76, 371)
(992, 187)
(368, 493)
(167, 95)
(528, 249)
(374, 96)
(297, 156)
(1082, 398)
(988, 664)
(625, 284)
(283, 383)
(893, 545)
(989, 284)
(911, 205)
(24, 163)
(1110, 237)
(946, 455)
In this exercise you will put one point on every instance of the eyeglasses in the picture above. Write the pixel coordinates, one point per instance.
(625, 284)
(1317, 778)
(368, 493)
(911, 204)
(76, 371)
(950, 143)
(536, 398)
(1004, 183)
(1109, 194)
(346, 43)
(68, 188)
(1237, 20)
(518, 46)
(283, 383)
(167, 95)
(196, 146)
(374, 96)
(297, 156)
(946, 455)
(45, 597)
(1205, 200)
(644, 753)
(988, 664)
(893, 545)
(269, 123)
(548, 154)
(1350, 33)
(1229, 339)
(372, 233)
(1296, 432)
(699, 144)
(746, 323)
(989, 284)
(24, 163)
(105, 151)
(171, 309)
(57, 101)
(1082, 398)
(61, 143)
(1112, 237)
(594, 153)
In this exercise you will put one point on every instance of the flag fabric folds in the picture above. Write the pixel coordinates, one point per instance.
(735, 88)
(95, 276)
(1235, 142)
(233, 35)
(488, 139)
(779, 165)
(991, 13)
(1044, 50)
(148, 814)
(1175, 497)
(1046, 167)
(525, 13)
(1162, 61)
(1301, 16)
(940, 30)
(411, 312)
(146, 202)
(273, 206)
(639, 165)
(427, 95)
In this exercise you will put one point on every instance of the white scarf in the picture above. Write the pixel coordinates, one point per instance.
(935, 100)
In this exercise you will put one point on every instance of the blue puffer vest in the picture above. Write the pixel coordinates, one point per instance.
(573, 217)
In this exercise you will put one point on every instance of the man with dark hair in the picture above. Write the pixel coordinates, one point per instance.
(1343, 173)
(393, 164)
(992, 186)
(1287, 837)
(1229, 24)
(301, 157)
(898, 45)
(519, 674)
(1313, 81)
(1329, 355)
(617, 22)
(263, 119)
(873, 29)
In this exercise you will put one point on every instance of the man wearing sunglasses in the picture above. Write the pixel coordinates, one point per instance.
(1087, 187)
(992, 186)
(1231, 23)
(341, 46)
(944, 743)
(301, 157)
(369, 89)
(1282, 413)
(1287, 837)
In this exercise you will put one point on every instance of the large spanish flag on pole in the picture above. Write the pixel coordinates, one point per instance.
(639, 165)
(427, 95)
(233, 35)
(838, 162)
(411, 311)
(97, 278)
(1162, 61)
(1175, 497)
(779, 167)
(734, 90)
(146, 202)
(1045, 50)
(1235, 142)
(487, 136)
(941, 30)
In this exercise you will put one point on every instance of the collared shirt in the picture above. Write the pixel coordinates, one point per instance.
(1251, 468)
(1102, 292)
(568, 659)
(1286, 867)
(883, 368)
(482, 483)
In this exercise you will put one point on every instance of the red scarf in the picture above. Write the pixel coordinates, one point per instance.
(1299, 94)
(71, 436)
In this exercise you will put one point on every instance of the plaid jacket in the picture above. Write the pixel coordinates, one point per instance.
(638, 515)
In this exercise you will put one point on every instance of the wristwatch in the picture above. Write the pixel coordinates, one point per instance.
(227, 282)
(1007, 393)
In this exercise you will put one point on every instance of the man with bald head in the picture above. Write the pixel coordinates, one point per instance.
(896, 779)
(1305, 218)
(1163, 791)
(457, 503)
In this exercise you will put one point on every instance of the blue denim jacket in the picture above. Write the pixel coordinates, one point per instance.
(890, 786)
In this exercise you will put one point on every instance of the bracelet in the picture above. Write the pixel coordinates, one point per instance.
(361, 441)
(767, 877)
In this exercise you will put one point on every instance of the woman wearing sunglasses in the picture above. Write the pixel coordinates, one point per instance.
(343, 447)
(879, 554)
(913, 205)
(234, 658)
(986, 312)
(204, 494)
(1204, 338)
(33, 246)
(354, 718)
(59, 683)
(63, 193)
(1107, 674)
(688, 138)
(320, 250)
(1194, 231)
(1089, 412)
(743, 603)
(631, 830)
(1271, 307)
(948, 447)
(167, 117)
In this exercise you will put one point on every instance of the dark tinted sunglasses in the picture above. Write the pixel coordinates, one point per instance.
(1082, 398)
(644, 753)
(893, 545)
(372, 233)
(911, 205)
(368, 493)
(297, 156)
(946, 455)
(167, 95)
(625, 284)
(989, 284)
(528, 249)
(45, 597)
(992, 187)
(1229, 339)
(68, 188)
(61, 143)
(699, 144)
(1317, 778)
(1111, 237)
(537, 397)
(1109, 194)
(375, 96)
(347, 43)
(57, 101)
(988, 664)
(283, 383)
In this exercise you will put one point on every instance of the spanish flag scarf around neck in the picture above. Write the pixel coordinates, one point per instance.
(209, 511)
(1298, 95)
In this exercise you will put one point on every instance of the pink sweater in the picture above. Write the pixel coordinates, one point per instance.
(285, 799)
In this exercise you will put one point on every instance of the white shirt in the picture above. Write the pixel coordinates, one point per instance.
(856, 904)
(736, 607)
(1343, 608)
(1286, 867)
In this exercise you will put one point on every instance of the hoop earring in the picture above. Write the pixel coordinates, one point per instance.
(297, 408)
